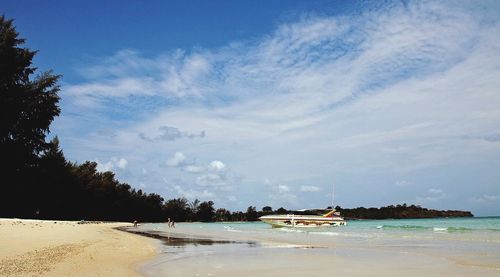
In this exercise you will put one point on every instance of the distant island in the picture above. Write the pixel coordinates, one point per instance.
(388, 212)
(399, 212)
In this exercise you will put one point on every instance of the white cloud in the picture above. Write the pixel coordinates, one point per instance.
(217, 166)
(395, 91)
(209, 179)
(309, 188)
(435, 191)
(402, 183)
(122, 163)
(194, 169)
(433, 195)
(103, 167)
(231, 198)
(170, 133)
(283, 188)
(111, 165)
(485, 198)
(491, 197)
(193, 194)
(179, 159)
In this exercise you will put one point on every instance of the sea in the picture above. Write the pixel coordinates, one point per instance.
(456, 246)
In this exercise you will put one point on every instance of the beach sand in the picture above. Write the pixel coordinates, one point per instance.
(63, 248)
(66, 248)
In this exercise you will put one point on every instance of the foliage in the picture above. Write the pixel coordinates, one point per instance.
(27, 107)
(206, 212)
(398, 211)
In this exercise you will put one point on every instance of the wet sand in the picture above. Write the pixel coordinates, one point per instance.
(66, 248)
(189, 251)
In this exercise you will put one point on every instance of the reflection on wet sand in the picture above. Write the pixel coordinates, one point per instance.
(179, 241)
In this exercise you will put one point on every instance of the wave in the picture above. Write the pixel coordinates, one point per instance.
(494, 229)
(452, 229)
(459, 229)
(439, 229)
(425, 228)
(405, 227)
(231, 229)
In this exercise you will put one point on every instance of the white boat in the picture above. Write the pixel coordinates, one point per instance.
(329, 219)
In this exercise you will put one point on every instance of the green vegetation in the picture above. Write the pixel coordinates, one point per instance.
(397, 212)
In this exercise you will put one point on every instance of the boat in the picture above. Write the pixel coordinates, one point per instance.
(329, 219)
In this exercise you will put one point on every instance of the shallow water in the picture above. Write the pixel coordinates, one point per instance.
(462, 247)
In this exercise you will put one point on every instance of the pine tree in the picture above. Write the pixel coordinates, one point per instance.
(27, 107)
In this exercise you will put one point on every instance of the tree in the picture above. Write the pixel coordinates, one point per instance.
(222, 215)
(267, 209)
(281, 211)
(177, 209)
(27, 107)
(206, 212)
(55, 189)
(193, 209)
(251, 214)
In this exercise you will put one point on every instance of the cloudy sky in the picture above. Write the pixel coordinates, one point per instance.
(272, 103)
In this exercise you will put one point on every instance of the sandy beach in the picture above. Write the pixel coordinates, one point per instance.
(66, 248)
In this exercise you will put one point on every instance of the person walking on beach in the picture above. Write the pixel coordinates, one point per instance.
(172, 224)
(135, 223)
(169, 222)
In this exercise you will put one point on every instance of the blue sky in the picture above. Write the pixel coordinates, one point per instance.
(272, 102)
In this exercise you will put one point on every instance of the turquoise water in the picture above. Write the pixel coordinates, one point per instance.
(434, 224)
(486, 229)
(429, 247)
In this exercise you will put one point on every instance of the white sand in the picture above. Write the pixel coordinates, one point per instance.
(65, 248)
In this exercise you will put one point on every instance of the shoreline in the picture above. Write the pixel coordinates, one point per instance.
(62, 248)
(198, 249)
(67, 248)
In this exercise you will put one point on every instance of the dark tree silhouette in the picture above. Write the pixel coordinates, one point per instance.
(177, 209)
(281, 211)
(193, 209)
(251, 214)
(222, 215)
(27, 107)
(206, 212)
(399, 211)
(267, 210)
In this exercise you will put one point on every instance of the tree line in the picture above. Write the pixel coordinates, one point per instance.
(399, 212)
(37, 180)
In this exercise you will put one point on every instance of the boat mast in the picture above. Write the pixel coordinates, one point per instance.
(333, 195)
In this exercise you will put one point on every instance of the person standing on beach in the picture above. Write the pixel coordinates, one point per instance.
(169, 222)
(172, 224)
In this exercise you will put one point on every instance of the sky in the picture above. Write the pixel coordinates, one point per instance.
(275, 102)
